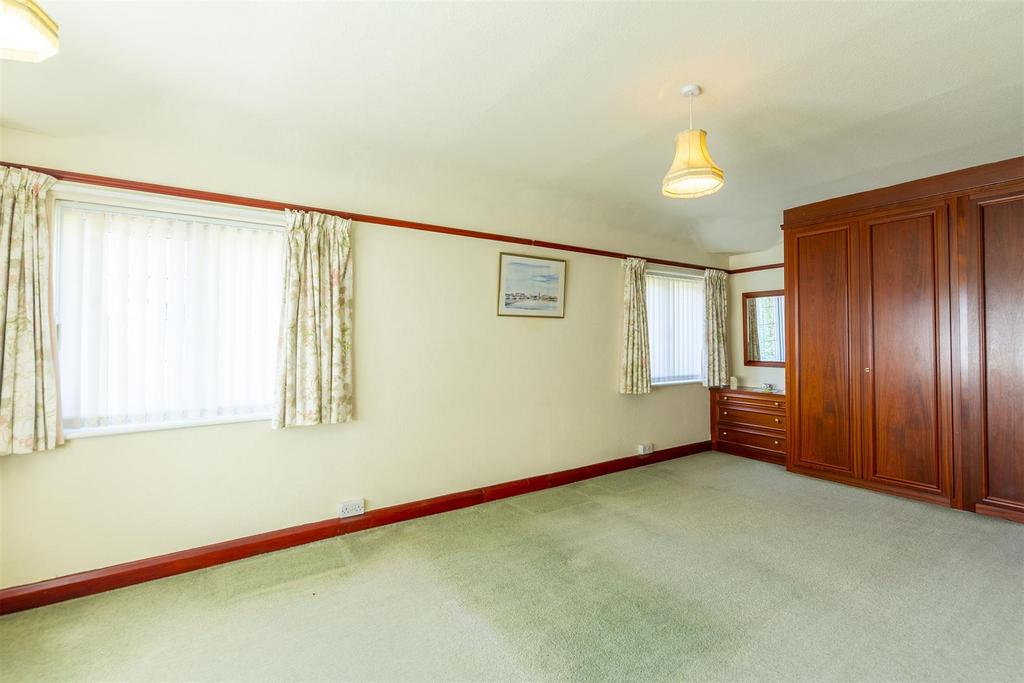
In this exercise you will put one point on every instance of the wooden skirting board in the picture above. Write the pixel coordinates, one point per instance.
(30, 595)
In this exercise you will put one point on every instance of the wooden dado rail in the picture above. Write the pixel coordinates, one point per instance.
(203, 195)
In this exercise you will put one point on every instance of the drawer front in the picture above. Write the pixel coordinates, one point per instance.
(768, 443)
(743, 415)
(774, 401)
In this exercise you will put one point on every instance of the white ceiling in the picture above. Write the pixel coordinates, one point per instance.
(802, 101)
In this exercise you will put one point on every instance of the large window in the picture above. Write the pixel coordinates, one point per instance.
(675, 318)
(165, 318)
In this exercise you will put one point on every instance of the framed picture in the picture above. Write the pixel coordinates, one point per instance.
(531, 286)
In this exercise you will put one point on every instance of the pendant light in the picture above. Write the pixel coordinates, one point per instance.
(693, 173)
(27, 33)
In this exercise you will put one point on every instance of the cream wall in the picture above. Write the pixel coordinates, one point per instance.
(755, 281)
(449, 396)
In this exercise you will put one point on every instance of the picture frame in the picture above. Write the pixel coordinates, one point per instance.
(531, 286)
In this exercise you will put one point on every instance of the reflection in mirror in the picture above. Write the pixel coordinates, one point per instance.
(764, 328)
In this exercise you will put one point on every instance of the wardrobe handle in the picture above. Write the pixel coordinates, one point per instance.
(867, 369)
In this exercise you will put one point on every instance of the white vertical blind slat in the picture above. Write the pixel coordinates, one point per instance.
(165, 318)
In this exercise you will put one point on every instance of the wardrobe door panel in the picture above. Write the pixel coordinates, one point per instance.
(818, 299)
(996, 447)
(906, 389)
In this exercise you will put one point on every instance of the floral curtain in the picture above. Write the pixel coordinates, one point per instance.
(314, 351)
(716, 303)
(29, 403)
(635, 375)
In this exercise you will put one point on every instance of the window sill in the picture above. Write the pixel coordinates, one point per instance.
(112, 430)
(681, 381)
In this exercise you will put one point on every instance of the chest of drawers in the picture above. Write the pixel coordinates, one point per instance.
(749, 422)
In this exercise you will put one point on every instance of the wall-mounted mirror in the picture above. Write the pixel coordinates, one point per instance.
(764, 328)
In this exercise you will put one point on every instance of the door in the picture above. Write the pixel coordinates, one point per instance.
(991, 248)
(820, 296)
(906, 439)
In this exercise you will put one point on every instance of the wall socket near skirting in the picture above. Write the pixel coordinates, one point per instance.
(351, 508)
(645, 448)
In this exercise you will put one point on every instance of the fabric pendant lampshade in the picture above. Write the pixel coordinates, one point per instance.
(693, 173)
(27, 33)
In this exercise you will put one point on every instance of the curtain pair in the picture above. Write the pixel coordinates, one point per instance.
(314, 364)
(635, 369)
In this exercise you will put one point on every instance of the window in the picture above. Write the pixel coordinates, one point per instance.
(675, 319)
(165, 318)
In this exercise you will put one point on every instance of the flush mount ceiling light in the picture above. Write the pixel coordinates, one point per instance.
(27, 33)
(693, 173)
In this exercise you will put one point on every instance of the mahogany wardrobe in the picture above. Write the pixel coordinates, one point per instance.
(905, 327)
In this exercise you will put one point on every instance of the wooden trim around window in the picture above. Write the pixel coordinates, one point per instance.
(746, 345)
(28, 596)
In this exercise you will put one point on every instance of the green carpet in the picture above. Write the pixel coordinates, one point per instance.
(711, 567)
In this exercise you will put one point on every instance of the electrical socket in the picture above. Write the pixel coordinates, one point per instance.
(645, 448)
(351, 508)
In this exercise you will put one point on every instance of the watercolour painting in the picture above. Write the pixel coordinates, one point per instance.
(531, 286)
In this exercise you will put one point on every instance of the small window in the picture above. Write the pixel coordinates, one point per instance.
(165, 318)
(675, 319)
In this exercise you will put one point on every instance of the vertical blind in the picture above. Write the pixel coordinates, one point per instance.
(164, 318)
(675, 315)
(770, 328)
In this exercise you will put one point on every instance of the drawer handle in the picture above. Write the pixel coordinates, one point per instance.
(725, 412)
(775, 443)
(778, 420)
(725, 433)
(725, 398)
(776, 403)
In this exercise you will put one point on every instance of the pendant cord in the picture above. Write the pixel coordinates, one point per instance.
(690, 98)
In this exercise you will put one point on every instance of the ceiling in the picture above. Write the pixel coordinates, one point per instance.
(803, 101)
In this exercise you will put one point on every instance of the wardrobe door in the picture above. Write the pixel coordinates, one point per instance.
(906, 442)
(820, 263)
(992, 345)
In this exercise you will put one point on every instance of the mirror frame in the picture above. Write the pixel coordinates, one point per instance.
(746, 346)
